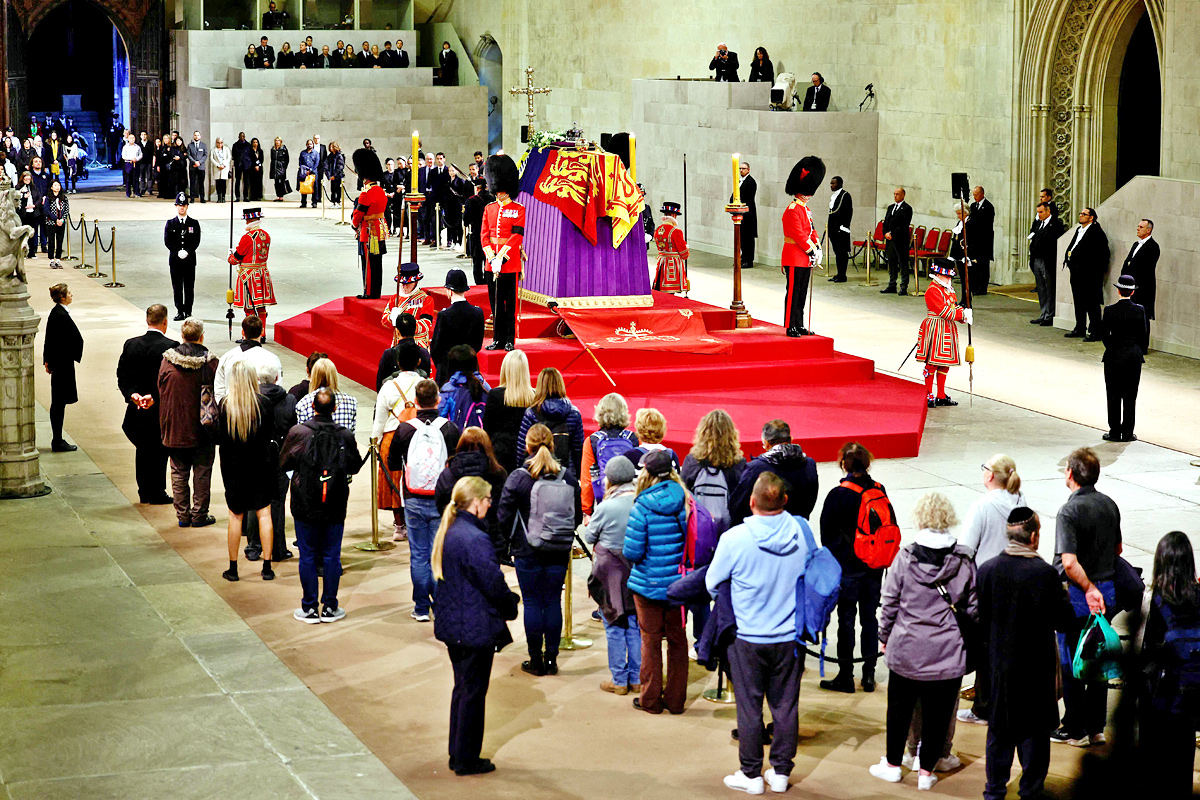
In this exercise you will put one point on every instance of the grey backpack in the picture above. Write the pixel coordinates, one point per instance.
(551, 525)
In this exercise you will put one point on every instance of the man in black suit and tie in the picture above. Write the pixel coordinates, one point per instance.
(1126, 342)
(387, 56)
(137, 380)
(264, 54)
(1043, 252)
(364, 59)
(817, 96)
(981, 239)
(725, 64)
(401, 55)
(896, 233)
(273, 18)
(458, 323)
(1047, 196)
(448, 65)
(750, 218)
(841, 213)
(1140, 265)
(182, 237)
(1087, 261)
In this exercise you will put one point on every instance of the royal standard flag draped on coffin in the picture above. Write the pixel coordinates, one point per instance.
(587, 185)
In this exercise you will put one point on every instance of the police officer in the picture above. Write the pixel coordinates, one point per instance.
(182, 237)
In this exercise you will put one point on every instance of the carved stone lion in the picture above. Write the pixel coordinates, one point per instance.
(13, 245)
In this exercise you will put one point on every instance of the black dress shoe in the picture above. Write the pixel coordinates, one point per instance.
(946, 401)
(180, 317)
(494, 346)
(1131, 437)
(1037, 321)
(868, 681)
(843, 683)
(795, 332)
(551, 665)
(62, 447)
(480, 766)
(534, 666)
(839, 279)
(1091, 337)
(162, 500)
(1073, 335)
(1046, 323)
(509, 347)
(1109, 436)
(888, 290)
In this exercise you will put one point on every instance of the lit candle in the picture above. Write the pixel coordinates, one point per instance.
(412, 178)
(633, 158)
(737, 184)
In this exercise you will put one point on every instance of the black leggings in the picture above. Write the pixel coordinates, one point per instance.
(58, 412)
(55, 235)
(937, 704)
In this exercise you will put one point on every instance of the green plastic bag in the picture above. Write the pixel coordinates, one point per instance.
(1098, 652)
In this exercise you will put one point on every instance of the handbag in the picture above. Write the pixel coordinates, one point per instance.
(1098, 653)
(306, 185)
(209, 410)
(967, 628)
(287, 187)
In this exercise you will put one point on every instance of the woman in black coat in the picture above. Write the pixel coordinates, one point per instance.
(279, 165)
(63, 348)
(761, 68)
(474, 457)
(474, 603)
(255, 176)
(30, 208)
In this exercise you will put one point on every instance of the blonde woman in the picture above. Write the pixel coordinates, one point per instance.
(249, 462)
(612, 438)
(922, 642)
(474, 603)
(324, 373)
(985, 526)
(714, 465)
(540, 571)
(505, 407)
(551, 407)
(651, 428)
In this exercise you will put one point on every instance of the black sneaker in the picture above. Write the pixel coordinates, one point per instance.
(230, 575)
(203, 522)
(268, 574)
(332, 614)
(309, 617)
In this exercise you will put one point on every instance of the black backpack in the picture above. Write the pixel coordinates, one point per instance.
(1175, 683)
(562, 437)
(324, 480)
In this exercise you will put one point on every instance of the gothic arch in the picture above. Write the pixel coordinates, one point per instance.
(127, 15)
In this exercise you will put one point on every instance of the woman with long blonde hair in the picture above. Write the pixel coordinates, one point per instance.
(505, 407)
(249, 462)
(540, 571)
(473, 604)
(552, 408)
(325, 373)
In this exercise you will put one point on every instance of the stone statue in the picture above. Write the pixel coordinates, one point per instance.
(13, 243)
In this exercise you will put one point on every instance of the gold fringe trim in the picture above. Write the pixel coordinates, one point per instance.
(615, 301)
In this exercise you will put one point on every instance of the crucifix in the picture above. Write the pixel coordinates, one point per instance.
(529, 91)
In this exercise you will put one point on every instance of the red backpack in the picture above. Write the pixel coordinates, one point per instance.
(877, 539)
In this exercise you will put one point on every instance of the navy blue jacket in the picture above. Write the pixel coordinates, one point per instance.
(789, 462)
(514, 502)
(473, 599)
(554, 411)
(655, 537)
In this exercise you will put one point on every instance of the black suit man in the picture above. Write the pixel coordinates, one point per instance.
(264, 55)
(841, 213)
(1087, 261)
(725, 64)
(273, 19)
(1043, 252)
(137, 380)
(458, 323)
(236, 152)
(401, 56)
(750, 219)
(896, 233)
(182, 237)
(1140, 265)
(817, 96)
(980, 240)
(1126, 342)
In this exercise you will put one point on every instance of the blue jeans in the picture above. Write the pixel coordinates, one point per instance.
(700, 613)
(421, 517)
(541, 597)
(1085, 705)
(320, 541)
(624, 650)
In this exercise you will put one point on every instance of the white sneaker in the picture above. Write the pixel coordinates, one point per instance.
(777, 782)
(967, 715)
(740, 783)
(947, 764)
(692, 654)
(309, 617)
(420, 617)
(926, 782)
(908, 760)
(886, 771)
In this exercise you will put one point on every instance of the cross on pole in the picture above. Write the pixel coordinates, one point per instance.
(529, 91)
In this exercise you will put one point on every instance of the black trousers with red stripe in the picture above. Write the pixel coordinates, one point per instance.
(504, 313)
(372, 269)
(797, 290)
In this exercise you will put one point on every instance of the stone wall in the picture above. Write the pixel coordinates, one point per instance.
(354, 80)
(1181, 90)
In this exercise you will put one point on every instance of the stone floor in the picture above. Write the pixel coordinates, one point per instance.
(212, 673)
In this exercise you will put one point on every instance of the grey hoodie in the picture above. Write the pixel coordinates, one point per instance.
(917, 625)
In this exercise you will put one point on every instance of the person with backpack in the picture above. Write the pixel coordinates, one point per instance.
(552, 408)
(505, 408)
(473, 457)
(764, 558)
(321, 456)
(540, 510)
(928, 599)
(406, 331)
(459, 323)
(612, 438)
(857, 516)
(395, 404)
(420, 448)
(714, 466)
(1021, 604)
(788, 461)
(655, 541)
(464, 392)
(651, 428)
(1169, 645)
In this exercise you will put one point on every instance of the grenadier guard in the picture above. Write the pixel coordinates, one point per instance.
(801, 242)
(502, 234)
(937, 340)
(370, 221)
(253, 291)
(671, 273)
(410, 299)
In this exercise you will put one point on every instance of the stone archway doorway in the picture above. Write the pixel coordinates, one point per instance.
(1138, 111)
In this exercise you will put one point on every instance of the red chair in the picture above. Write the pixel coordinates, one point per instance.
(926, 249)
(915, 239)
(874, 242)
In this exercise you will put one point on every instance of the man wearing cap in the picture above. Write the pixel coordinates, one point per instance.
(458, 323)
(801, 243)
(253, 291)
(182, 238)
(671, 272)
(410, 299)
(473, 220)
(1126, 342)
(502, 235)
(368, 221)
(937, 339)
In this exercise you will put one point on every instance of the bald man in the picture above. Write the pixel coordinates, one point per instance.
(980, 240)
(725, 64)
(896, 233)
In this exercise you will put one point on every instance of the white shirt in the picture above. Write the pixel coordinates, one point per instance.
(391, 399)
(833, 198)
(131, 152)
(1138, 245)
(254, 356)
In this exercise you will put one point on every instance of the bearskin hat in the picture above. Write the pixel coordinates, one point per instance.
(502, 176)
(806, 177)
(367, 165)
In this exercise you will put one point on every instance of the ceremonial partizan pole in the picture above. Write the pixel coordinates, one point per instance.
(969, 356)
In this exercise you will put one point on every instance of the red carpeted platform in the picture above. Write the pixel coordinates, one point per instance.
(827, 397)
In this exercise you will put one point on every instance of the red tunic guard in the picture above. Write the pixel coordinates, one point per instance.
(801, 243)
(937, 338)
(502, 234)
(420, 305)
(671, 273)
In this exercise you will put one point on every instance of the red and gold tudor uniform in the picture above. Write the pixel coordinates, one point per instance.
(671, 273)
(801, 243)
(253, 290)
(368, 221)
(937, 339)
(502, 233)
(416, 302)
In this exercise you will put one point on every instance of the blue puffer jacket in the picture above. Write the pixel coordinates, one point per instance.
(655, 537)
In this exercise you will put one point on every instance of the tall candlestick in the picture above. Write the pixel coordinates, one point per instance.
(737, 183)
(633, 158)
(412, 178)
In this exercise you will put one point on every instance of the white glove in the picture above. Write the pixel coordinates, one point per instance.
(497, 262)
(967, 315)
(817, 255)
(182, 254)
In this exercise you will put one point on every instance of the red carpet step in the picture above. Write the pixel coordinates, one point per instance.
(827, 397)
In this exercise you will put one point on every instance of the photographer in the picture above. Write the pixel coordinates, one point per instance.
(725, 62)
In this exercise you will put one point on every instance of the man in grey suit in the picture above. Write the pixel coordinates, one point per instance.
(197, 158)
(1043, 253)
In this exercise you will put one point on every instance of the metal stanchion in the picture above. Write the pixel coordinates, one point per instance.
(82, 242)
(67, 237)
(112, 250)
(343, 222)
(569, 641)
(374, 545)
(723, 694)
(321, 189)
(96, 273)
